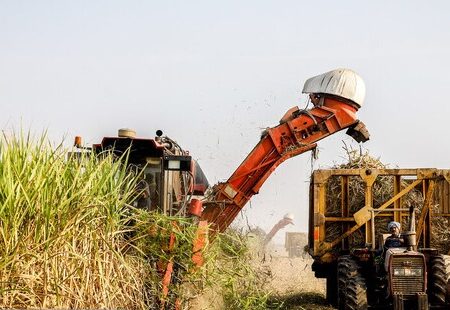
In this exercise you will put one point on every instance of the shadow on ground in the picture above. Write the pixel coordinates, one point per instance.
(299, 301)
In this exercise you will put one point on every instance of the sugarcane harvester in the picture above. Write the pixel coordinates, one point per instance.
(174, 184)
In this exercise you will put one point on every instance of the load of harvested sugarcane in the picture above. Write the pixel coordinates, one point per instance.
(382, 191)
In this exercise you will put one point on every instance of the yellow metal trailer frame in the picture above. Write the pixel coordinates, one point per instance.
(432, 183)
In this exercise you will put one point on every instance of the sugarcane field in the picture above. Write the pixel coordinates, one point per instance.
(210, 155)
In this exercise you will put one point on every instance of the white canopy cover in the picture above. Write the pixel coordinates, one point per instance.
(344, 83)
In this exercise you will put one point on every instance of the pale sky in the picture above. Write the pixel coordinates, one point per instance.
(212, 74)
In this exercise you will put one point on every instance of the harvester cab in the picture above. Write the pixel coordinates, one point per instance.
(170, 178)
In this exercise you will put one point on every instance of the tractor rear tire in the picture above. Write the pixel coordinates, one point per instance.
(437, 280)
(347, 268)
(356, 294)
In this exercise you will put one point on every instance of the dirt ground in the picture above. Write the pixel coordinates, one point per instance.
(291, 282)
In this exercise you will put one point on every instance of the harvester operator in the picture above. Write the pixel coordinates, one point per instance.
(394, 240)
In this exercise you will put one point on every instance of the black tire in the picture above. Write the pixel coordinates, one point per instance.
(447, 264)
(437, 280)
(347, 268)
(356, 294)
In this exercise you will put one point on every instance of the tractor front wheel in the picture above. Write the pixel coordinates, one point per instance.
(437, 280)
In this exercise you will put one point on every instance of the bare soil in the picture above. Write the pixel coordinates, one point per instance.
(293, 283)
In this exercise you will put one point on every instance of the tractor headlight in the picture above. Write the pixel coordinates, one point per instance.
(408, 272)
